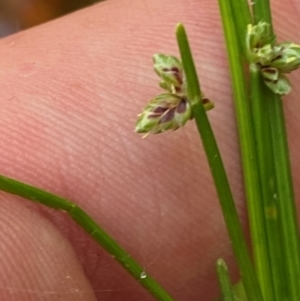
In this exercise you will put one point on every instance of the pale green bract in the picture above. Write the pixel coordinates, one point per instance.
(279, 86)
(288, 57)
(258, 35)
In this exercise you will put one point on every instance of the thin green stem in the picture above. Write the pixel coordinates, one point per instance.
(241, 19)
(248, 151)
(218, 172)
(286, 199)
(91, 227)
(224, 281)
(262, 12)
(272, 282)
(285, 196)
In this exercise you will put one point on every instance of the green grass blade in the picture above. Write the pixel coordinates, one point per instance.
(217, 169)
(91, 227)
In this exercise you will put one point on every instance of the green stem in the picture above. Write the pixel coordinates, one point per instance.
(248, 150)
(289, 248)
(262, 12)
(286, 199)
(270, 269)
(91, 227)
(218, 172)
(241, 19)
(224, 281)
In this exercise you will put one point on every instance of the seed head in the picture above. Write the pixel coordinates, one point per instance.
(170, 70)
(164, 112)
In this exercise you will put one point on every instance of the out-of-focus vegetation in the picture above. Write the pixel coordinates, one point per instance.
(16, 15)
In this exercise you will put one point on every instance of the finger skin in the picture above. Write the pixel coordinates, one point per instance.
(37, 261)
(70, 93)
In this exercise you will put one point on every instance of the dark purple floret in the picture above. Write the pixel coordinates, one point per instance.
(168, 116)
(181, 108)
(175, 69)
(177, 89)
(275, 81)
(160, 110)
(205, 100)
(277, 58)
(178, 77)
(270, 71)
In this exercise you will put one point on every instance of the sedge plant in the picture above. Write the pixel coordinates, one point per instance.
(272, 273)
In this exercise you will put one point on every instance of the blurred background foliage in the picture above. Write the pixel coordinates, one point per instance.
(17, 15)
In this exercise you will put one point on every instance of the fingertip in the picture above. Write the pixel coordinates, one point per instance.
(36, 261)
